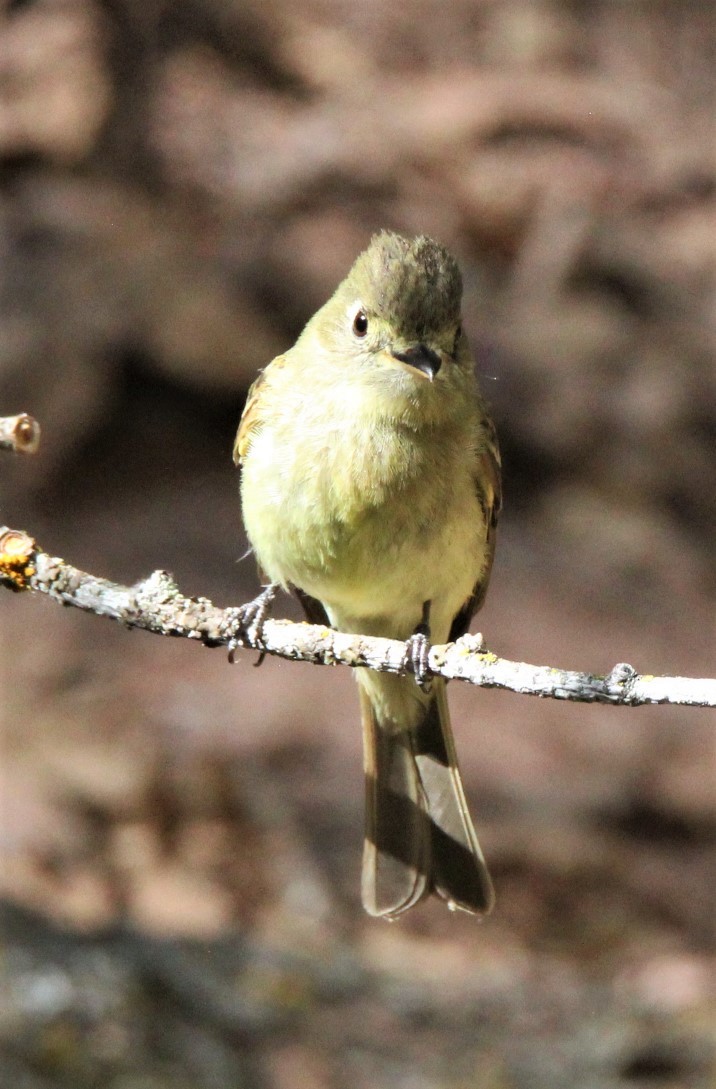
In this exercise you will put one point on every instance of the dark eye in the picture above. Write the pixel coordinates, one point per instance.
(360, 323)
(458, 334)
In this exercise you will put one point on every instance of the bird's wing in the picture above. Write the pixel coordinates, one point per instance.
(488, 485)
(251, 417)
(312, 607)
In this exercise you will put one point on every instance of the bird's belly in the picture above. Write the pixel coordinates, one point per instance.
(374, 569)
(387, 575)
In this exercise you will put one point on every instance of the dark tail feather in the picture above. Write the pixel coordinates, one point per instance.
(458, 871)
(396, 850)
(419, 836)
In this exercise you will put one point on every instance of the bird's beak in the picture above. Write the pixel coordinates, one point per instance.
(423, 359)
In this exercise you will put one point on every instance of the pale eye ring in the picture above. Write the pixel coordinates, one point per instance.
(360, 323)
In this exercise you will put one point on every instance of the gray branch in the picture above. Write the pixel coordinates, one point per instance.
(156, 605)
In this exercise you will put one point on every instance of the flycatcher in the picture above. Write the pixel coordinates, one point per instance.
(370, 484)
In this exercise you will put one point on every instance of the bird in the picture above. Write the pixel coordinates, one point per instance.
(371, 488)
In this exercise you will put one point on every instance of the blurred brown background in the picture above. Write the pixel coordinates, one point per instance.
(181, 185)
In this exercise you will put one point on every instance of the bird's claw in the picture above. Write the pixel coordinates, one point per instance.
(417, 652)
(247, 622)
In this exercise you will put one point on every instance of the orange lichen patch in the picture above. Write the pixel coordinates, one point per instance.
(16, 555)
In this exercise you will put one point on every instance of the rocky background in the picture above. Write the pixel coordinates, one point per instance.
(181, 185)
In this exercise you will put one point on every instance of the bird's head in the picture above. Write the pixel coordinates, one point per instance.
(398, 312)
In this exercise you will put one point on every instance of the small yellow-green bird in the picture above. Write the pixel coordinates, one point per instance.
(370, 484)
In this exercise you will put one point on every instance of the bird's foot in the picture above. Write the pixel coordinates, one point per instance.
(247, 622)
(417, 651)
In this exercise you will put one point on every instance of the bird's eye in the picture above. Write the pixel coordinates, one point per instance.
(360, 323)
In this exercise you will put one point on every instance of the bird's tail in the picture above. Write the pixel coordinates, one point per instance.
(419, 837)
